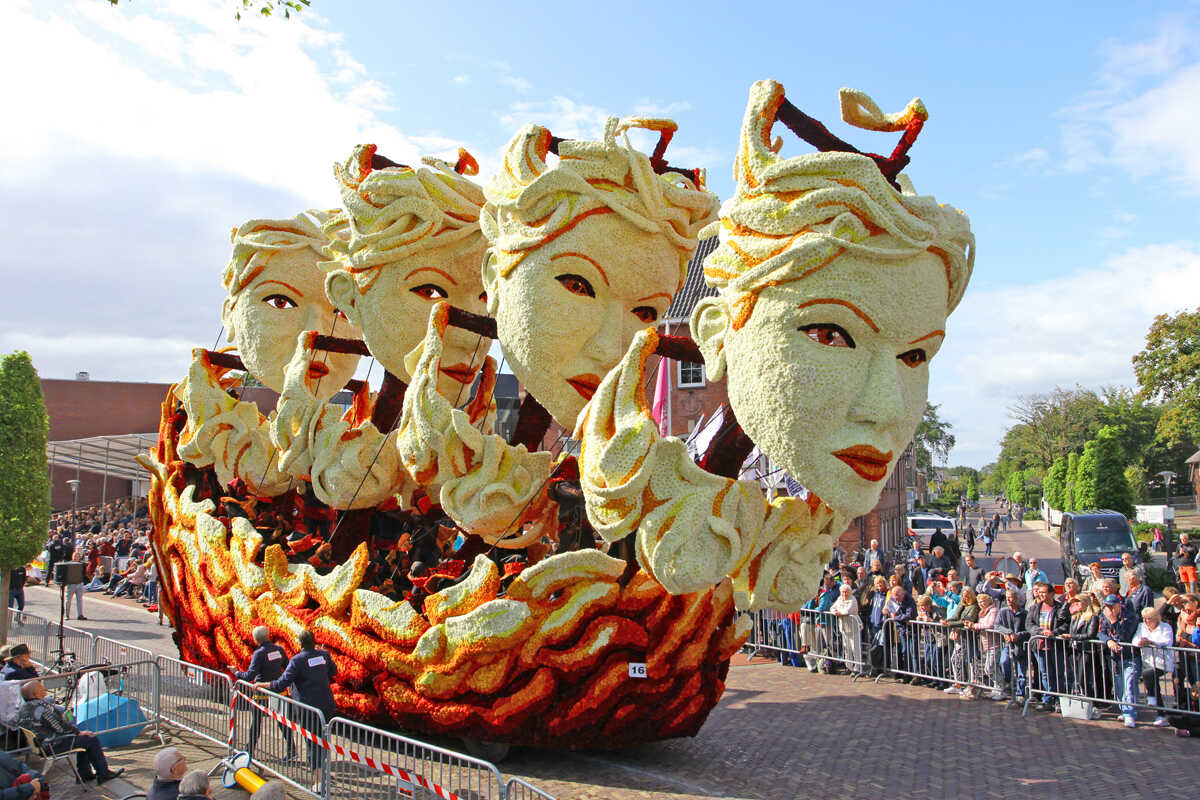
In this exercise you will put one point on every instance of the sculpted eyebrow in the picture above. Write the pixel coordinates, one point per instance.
(586, 258)
(431, 269)
(286, 285)
(836, 301)
(930, 335)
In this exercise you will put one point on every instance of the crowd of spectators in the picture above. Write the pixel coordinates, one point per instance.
(976, 633)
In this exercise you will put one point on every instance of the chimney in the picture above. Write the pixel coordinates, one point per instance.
(82, 376)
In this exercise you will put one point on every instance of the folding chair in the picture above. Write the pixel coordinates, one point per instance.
(38, 749)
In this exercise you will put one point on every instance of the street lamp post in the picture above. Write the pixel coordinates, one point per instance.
(1168, 476)
(74, 484)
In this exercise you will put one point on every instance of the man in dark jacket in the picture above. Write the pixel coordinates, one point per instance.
(20, 664)
(1011, 619)
(16, 589)
(170, 765)
(918, 575)
(972, 573)
(309, 674)
(1140, 596)
(13, 783)
(1117, 628)
(266, 664)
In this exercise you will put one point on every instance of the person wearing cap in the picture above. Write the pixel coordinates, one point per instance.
(20, 664)
(266, 664)
(1117, 628)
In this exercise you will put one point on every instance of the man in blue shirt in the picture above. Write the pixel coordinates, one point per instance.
(1033, 576)
(266, 664)
(309, 674)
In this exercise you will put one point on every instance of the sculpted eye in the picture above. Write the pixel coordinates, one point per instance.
(430, 291)
(646, 314)
(576, 284)
(914, 358)
(828, 335)
(280, 301)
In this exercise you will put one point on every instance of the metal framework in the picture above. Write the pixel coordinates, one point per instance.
(103, 455)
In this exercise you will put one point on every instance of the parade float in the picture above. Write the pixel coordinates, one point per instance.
(494, 589)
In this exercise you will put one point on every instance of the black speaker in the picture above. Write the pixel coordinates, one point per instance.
(68, 572)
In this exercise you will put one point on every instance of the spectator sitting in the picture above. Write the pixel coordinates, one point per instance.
(134, 582)
(58, 735)
(194, 786)
(14, 785)
(271, 790)
(20, 664)
(170, 765)
(101, 579)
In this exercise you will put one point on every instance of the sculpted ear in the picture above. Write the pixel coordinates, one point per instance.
(710, 323)
(490, 274)
(341, 291)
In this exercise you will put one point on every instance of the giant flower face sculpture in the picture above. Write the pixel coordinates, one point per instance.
(584, 254)
(414, 240)
(834, 293)
(276, 290)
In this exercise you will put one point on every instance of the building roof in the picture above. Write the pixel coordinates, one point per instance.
(103, 455)
(1194, 458)
(694, 288)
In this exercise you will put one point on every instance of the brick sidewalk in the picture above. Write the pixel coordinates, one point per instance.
(782, 732)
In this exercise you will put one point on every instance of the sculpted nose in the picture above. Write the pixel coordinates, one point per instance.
(880, 400)
(606, 345)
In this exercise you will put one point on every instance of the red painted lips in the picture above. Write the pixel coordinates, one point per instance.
(866, 461)
(459, 372)
(317, 370)
(585, 384)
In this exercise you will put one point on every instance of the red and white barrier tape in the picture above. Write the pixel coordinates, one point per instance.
(387, 769)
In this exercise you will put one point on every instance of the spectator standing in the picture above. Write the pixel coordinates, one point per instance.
(76, 591)
(962, 651)
(918, 576)
(1140, 596)
(1047, 620)
(47, 722)
(991, 644)
(1033, 576)
(989, 536)
(971, 538)
(1187, 564)
(845, 608)
(1129, 567)
(16, 589)
(1117, 629)
(170, 766)
(874, 553)
(1154, 636)
(1084, 629)
(1011, 620)
(1094, 583)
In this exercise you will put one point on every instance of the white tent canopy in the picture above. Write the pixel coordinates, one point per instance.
(103, 455)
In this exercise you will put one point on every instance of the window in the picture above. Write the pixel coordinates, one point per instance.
(691, 374)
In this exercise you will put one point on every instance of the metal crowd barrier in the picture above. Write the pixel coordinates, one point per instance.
(517, 789)
(1078, 674)
(33, 630)
(108, 650)
(950, 655)
(815, 638)
(389, 766)
(195, 699)
(107, 698)
(272, 743)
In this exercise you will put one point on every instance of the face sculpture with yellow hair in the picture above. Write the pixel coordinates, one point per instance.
(414, 239)
(583, 255)
(275, 290)
(834, 290)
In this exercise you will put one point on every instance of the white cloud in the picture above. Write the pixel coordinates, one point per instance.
(1079, 329)
(564, 117)
(513, 82)
(104, 357)
(461, 80)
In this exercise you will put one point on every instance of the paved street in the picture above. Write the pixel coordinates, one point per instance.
(1029, 539)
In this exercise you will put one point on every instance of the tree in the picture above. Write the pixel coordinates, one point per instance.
(1085, 479)
(1112, 487)
(972, 489)
(1054, 487)
(1015, 488)
(1051, 425)
(24, 483)
(265, 7)
(1071, 491)
(1168, 371)
(932, 441)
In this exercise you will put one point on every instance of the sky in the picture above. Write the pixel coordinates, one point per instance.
(137, 136)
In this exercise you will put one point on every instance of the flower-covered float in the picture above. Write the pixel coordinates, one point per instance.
(453, 575)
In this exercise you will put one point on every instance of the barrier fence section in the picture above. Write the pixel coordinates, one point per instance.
(379, 765)
(110, 697)
(278, 733)
(110, 651)
(195, 699)
(33, 630)
(814, 638)
(952, 656)
(76, 648)
(1085, 672)
(517, 789)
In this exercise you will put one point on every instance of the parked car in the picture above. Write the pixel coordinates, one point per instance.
(922, 525)
(1088, 537)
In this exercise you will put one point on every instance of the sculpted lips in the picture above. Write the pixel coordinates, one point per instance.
(585, 384)
(317, 370)
(459, 372)
(866, 461)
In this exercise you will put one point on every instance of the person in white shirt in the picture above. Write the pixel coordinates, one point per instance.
(845, 608)
(1155, 637)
